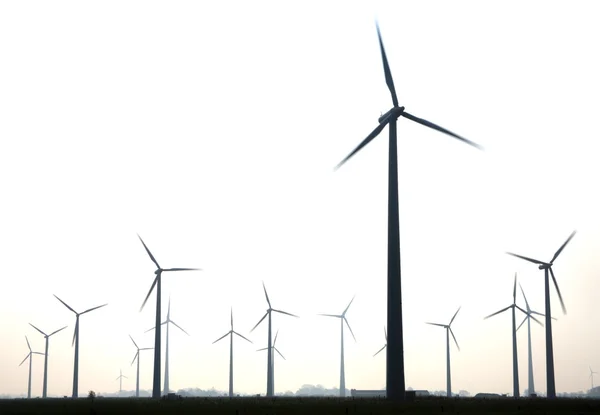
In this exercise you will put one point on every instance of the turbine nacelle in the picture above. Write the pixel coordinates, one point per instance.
(544, 266)
(394, 113)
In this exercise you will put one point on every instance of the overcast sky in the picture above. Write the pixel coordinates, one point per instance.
(212, 130)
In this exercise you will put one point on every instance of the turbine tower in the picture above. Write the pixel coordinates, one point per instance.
(547, 267)
(395, 386)
(592, 373)
(231, 333)
(167, 321)
(76, 343)
(273, 360)
(385, 345)
(448, 333)
(157, 281)
(270, 389)
(137, 356)
(120, 379)
(528, 317)
(47, 337)
(343, 319)
(513, 307)
(29, 356)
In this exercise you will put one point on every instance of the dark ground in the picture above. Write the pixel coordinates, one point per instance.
(296, 406)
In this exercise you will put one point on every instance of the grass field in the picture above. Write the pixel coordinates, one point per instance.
(296, 406)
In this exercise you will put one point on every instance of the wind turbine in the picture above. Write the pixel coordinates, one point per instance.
(231, 333)
(513, 307)
(592, 373)
(385, 345)
(47, 337)
(528, 317)
(76, 343)
(29, 355)
(167, 321)
(395, 386)
(273, 361)
(120, 379)
(343, 319)
(448, 333)
(137, 356)
(157, 280)
(270, 389)
(547, 267)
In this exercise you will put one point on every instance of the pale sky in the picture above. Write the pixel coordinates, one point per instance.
(212, 130)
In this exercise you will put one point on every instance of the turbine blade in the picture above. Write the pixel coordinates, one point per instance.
(437, 324)
(222, 337)
(54, 332)
(285, 312)
(259, 321)
(380, 350)
(562, 304)
(28, 345)
(149, 253)
(150, 329)
(38, 353)
(65, 304)
(385, 332)
(344, 313)
(176, 325)
(275, 340)
(25, 359)
(452, 333)
(524, 320)
(349, 328)
(275, 348)
(563, 246)
(235, 332)
(95, 308)
(38, 330)
(366, 141)
(330, 315)
(183, 269)
(231, 318)
(264, 348)
(515, 290)
(525, 298)
(520, 309)
(136, 346)
(440, 129)
(148, 348)
(134, 357)
(539, 314)
(535, 261)
(75, 331)
(536, 320)
(150, 292)
(497, 312)
(453, 317)
(386, 69)
(266, 295)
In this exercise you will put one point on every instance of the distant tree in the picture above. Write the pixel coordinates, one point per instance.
(464, 393)
(91, 395)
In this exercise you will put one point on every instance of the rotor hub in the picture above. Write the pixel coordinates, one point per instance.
(393, 113)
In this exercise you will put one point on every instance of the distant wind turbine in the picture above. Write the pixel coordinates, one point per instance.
(157, 280)
(137, 356)
(47, 337)
(395, 385)
(76, 343)
(343, 319)
(513, 307)
(592, 373)
(120, 379)
(448, 333)
(270, 389)
(273, 361)
(29, 356)
(528, 317)
(167, 321)
(385, 345)
(231, 333)
(547, 267)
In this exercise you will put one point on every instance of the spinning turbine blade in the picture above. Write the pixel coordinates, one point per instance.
(440, 129)
(149, 253)
(536, 320)
(54, 332)
(275, 348)
(526, 303)
(563, 246)
(535, 261)
(40, 330)
(222, 337)
(92, 309)
(182, 269)
(515, 290)
(266, 295)
(175, 324)
(437, 324)
(454, 316)
(385, 332)
(386, 69)
(65, 304)
(134, 343)
(150, 292)
(454, 338)
(134, 357)
(497, 312)
(562, 304)
(366, 141)
(285, 312)
(231, 318)
(27, 340)
(24, 359)
(349, 328)
(259, 321)
(380, 350)
(235, 332)
(330, 315)
(75, 331)
(520, 309)
(344, 313)
(524, 320)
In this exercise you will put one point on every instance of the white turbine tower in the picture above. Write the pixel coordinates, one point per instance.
(273, 361)
(528, 317)
(47, 337)
(120, 379)
(137, 356)
(448, 333)
(231, 333)
(29, 356)
(343, 319)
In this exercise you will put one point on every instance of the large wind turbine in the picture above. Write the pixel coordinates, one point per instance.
(385, 345)
(592, 373)
(76, 342)
(547, 267)
(120, 379)
(158, 272)
(343, 319)
(513, 307)
(47, 337)
(29, 356)
(395, 386)
(448, 333)
(167, 321)
(270, 389)
(528, 317)
(231, 333)
(273, 361)
(137, 356)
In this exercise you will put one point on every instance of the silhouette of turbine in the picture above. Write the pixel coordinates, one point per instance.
(270, 389)
(76, 343)
(528, 317)
(231, 333)
(385, 345)
(395, 386)
(343, 319)
(547, 267)
(29, 356)
(273, 360)
(120, 379)
(157, 281)
(513, 307)
(448, 332)
(47, 337)
(592, 373)
(137, 356)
